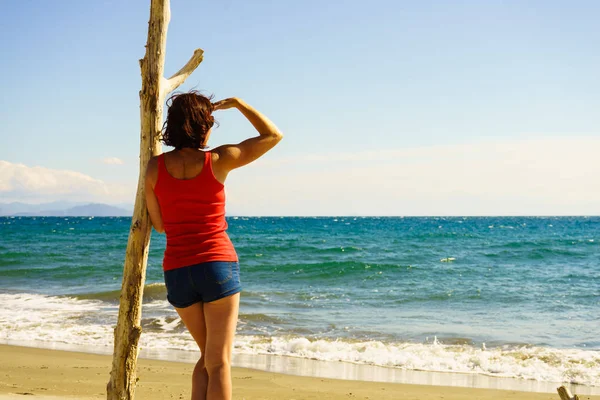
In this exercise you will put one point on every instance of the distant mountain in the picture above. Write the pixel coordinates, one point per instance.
(97, 210)
(64, 209)
(18, 208)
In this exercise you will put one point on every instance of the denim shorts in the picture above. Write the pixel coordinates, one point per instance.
(203, 282)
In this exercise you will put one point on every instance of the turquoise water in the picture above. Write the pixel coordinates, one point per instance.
(505, 296)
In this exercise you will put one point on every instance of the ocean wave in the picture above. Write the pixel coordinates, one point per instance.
(526, 252)
(545, 252)
(152, 291)
(170, 323)
(332, 270)
(259, 317)
(89, 323)
(524, 362)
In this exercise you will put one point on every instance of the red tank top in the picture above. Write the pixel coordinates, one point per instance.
(193, 213)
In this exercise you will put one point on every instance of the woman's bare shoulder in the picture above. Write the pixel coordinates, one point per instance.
(215, 154)
(152, 164)
(152, 170)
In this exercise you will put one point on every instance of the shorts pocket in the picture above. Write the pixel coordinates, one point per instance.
(218, 272)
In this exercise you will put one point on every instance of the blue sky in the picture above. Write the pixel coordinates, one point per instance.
(356, 87)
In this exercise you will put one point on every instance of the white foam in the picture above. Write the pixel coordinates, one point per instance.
(536, 363)
(30, 317)
(89, 324)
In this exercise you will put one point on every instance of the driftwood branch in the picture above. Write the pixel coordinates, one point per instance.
(565, 394)
(152, 96)
(180, 76)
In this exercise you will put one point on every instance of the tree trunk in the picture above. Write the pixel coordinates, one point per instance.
(152, 96)
(565, 394)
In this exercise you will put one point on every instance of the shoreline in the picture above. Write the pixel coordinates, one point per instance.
(45, 373)
(342, 370)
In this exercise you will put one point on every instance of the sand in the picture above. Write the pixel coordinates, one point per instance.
(51, 374)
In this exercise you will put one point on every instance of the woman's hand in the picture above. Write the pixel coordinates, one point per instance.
(224, 104)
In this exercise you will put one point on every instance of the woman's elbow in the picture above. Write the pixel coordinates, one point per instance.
(159, 229)
(276, 137)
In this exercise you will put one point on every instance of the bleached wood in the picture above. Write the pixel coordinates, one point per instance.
(128, 330)
(180, 76)
(565, 394)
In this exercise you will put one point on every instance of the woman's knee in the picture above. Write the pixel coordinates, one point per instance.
(200, 364)
(216, 365)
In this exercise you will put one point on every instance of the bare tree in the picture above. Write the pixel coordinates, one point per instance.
(155, 88)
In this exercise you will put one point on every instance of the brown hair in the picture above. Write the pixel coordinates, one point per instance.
(188, 120)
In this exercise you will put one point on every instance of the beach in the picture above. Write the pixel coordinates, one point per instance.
(429, 228)
(46, 374)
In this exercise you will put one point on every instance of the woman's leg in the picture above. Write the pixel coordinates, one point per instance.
(221, 319)
(193, 318)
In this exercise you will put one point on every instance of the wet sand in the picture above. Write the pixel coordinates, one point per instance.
(52, 374)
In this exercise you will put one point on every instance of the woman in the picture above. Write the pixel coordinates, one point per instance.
(186, 200)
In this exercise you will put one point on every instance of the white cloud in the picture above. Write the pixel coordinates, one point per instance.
(556, 176)
(113, 161)
(19, 182)
(552, 176)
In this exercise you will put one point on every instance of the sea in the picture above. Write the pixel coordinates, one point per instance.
(492, 298)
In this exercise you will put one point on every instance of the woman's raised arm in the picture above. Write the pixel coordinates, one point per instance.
(233, 156)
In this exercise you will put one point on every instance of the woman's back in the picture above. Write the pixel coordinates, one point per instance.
(185, 164)
(192, 203)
